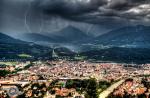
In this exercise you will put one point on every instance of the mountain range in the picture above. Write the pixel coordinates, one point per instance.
(125, 38)
(130, 36)
(7, 39)
(66, 35)
(11, 48)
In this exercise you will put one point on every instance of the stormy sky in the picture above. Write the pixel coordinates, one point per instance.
(94, 16)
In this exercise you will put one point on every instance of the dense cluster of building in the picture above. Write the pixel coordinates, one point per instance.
(11, 67)
(49, 71)
(84, 70)
(137, 87)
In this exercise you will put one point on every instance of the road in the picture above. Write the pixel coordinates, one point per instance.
(109, 90)
(13, 83)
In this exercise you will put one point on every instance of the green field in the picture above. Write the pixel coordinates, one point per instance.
(24, 55)
(9, 63)
(80, 57)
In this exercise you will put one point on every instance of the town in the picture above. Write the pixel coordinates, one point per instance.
(73, 79)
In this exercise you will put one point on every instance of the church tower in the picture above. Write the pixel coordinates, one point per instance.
(54, 54)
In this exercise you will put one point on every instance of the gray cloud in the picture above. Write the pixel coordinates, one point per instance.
(95, 11)
(70, 7)
(104, 14)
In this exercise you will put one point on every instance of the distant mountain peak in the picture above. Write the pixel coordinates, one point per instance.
(72, 34)
(4, 35)
(7, 39)
(68, 35)
(126, 36)
(70, 29)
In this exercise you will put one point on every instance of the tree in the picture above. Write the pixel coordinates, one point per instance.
(69, 84)
(91, 90)
(104, 84)
(3, 73)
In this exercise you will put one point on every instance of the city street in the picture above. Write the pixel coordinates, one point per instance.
(109, 90)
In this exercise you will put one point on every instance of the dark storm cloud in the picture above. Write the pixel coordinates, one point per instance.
(104, 13)
(70, 7)
(95, 11)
